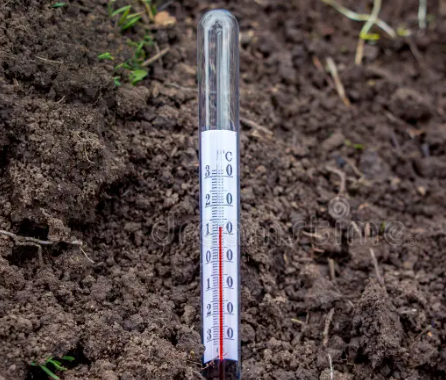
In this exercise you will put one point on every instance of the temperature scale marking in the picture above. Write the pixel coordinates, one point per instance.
(219, 244)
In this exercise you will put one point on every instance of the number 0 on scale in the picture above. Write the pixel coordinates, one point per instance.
(218, 76)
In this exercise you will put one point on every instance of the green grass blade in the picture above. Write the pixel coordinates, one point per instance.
(106, 56)
(57, 364)
(148, 40)
(110, 7)
(117, 81)
(58, 5)
(370, 36)
(139, 48)
(120, 10)
(123, 18)
(132, 22)
(152, 6)
(68, 358)
(49, 373)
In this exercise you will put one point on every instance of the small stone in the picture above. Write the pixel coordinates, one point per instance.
(248, 333)
(421, 190)
(109, 375)
(189, 314)
(333, 142)
(131, 100)
(132, 227)
(410, 105)
(431, 167)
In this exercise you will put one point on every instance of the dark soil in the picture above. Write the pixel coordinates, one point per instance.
(117, 169)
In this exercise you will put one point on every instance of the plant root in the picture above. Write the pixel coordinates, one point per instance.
(38, 243)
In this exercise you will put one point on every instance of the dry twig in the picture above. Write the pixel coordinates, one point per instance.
(177, 86)
(33, 242)
(357, 229)
(416, 53)
(86, 256)
(361, 17)
(331, 267)
(327, 326)
(375, 264)
(61, 100)
(157, 56)
(422, 14)
(330, 362)
(312, 234)
(424, 331)
(27, 239)
(254, 125)
(158, 50)
(367, 230)
(148, 10)
(341, 176)
(359, 51)
(317, 63)
(333, 70)
(354, 167)
(365, 30)
(49, 60)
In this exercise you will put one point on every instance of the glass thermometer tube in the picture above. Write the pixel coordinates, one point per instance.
(218, 88)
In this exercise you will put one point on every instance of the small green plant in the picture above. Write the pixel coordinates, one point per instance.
(373, 19)
(136, 76)
(360, 17)
(126, 19)
(59, 5)
(55, 363)
(355, 146)
(134, 67)
(402, 31)
(105, 56)
(365, 31)
(117, 81)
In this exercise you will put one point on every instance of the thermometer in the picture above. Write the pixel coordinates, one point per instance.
(218, 93)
